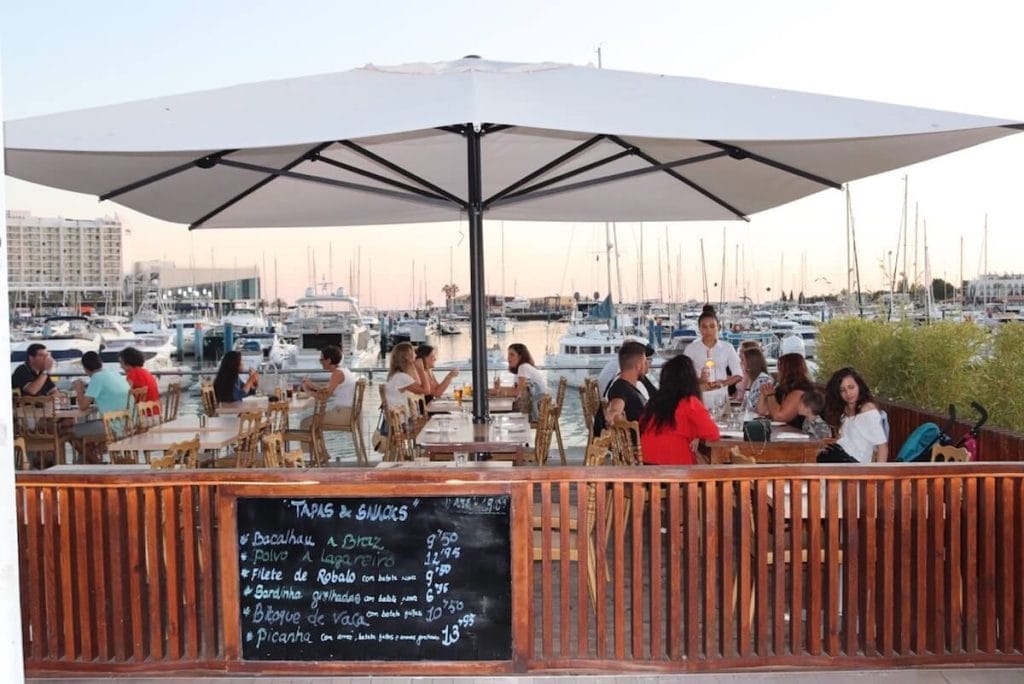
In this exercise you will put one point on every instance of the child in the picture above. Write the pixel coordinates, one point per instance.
(811, 405)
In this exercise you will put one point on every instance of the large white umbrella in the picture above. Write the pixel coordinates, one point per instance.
(439, 142)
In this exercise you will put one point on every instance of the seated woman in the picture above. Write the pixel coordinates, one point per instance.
(743, 385)
(848, 403)
(782, 401)
(675, 418)
(402, 384)
(426, 359)
(755, 375)
(228, 385)
(520, 364)
(341, 387)
(132, 362)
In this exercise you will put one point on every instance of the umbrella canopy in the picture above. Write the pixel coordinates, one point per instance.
(453, 140)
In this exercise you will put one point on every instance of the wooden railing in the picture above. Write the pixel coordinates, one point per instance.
(686, 569)
(994, 444)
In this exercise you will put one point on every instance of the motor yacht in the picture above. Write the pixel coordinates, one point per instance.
(321, 319)
(67, 338)
(263, 350)
(580, 356)
(244, 318)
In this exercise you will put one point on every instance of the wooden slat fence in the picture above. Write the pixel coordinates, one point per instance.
(994, 444)
(658, 569)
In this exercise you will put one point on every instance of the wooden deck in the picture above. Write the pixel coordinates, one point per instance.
(696, 569)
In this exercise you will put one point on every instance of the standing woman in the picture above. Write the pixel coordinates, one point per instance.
(426, 359)
(402, 383)
(848, 403)
(715, 361)
(782, 401)
(132, 362)
(341, 387)
(520, 364)
(228, 385)
(675, 418)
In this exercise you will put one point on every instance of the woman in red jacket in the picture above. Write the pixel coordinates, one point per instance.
(675, 418)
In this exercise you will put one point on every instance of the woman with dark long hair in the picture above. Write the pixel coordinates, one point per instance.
(520, 364)
(850, 406)
(781, 401)
(426, 358)
(228, 385)
(675, 417)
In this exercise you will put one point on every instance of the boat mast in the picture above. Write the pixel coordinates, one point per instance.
(704, 271)
(851, 227)
(721, 291)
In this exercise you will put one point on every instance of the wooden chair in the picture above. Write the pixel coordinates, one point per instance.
(312, 436)
(171, 400)
(355, 426)
(274, 455)
(117, 425)
(184, 453)
(209, 398)
(590, 401)
(556, 407)
(35, 421)
(244, 449)
(542, 437)
(21, 461)
(401, 444)
(147, 415)
(277, 417)
(625, 443)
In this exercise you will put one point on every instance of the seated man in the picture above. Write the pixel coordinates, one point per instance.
(33, 376)
(107, 391)
(611, 371)
(625, 400)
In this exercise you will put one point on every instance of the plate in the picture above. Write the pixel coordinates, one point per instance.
(791, 436)
(778, 423)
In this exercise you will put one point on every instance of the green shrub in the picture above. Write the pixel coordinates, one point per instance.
(932, 366)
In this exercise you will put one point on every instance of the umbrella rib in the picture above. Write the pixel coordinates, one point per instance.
(739, 153)
(404, 172)
(205, 161)
(377, 177)
(253, 188)
(557, 161)
(532, 189)
(670, 170)
(244, 166)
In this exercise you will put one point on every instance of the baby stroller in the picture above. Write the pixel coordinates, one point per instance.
(921, 442)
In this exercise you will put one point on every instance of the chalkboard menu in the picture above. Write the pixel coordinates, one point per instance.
(424, 578)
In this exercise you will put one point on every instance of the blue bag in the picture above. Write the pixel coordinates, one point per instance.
(919, 443)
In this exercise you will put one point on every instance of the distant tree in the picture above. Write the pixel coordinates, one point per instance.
(800, 298)
(430, 303)
(942, 290)
(791, 296)
(782, 297)
(450, 291)
(280, 304)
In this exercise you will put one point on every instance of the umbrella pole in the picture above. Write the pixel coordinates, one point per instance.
(478, 328)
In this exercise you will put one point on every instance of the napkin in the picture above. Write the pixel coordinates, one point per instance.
(790, 436)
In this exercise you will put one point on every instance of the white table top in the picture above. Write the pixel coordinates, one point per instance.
(446, 404)
(408, 465)
(158, 441)
(457, 432)
(191, 424)
(295, 405)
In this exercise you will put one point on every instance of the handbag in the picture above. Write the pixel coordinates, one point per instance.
(757, 430)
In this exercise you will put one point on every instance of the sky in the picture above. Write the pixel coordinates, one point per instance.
(67, 54)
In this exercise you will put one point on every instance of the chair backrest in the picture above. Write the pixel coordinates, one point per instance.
(401, 446)
(357, 399)
(598, 451)
(546, 417)
(273, 450)
(563, 385)
(737, 457)
(209, 398)
(185, 453)
(34, 416)
(250, 424)
(277, 416)
(21, 461)
(383, 396)
(147, 415)
(625, 435)
(293, 459)
(136, 395)
(118, 425)
(524, 401)
(171, 399)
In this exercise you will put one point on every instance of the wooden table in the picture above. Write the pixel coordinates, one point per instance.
(74, 413)
(209, 439)
(445, 434)
(443, 464)
(780, 449)
(260, 404)
(190, 424)
(449, 405)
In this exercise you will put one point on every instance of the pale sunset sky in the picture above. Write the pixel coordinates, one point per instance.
(962, 57)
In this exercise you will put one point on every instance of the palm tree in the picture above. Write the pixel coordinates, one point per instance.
(450, 291)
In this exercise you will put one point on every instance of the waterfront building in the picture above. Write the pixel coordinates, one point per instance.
(56, 261)
(187, 289)
(1007, 288)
